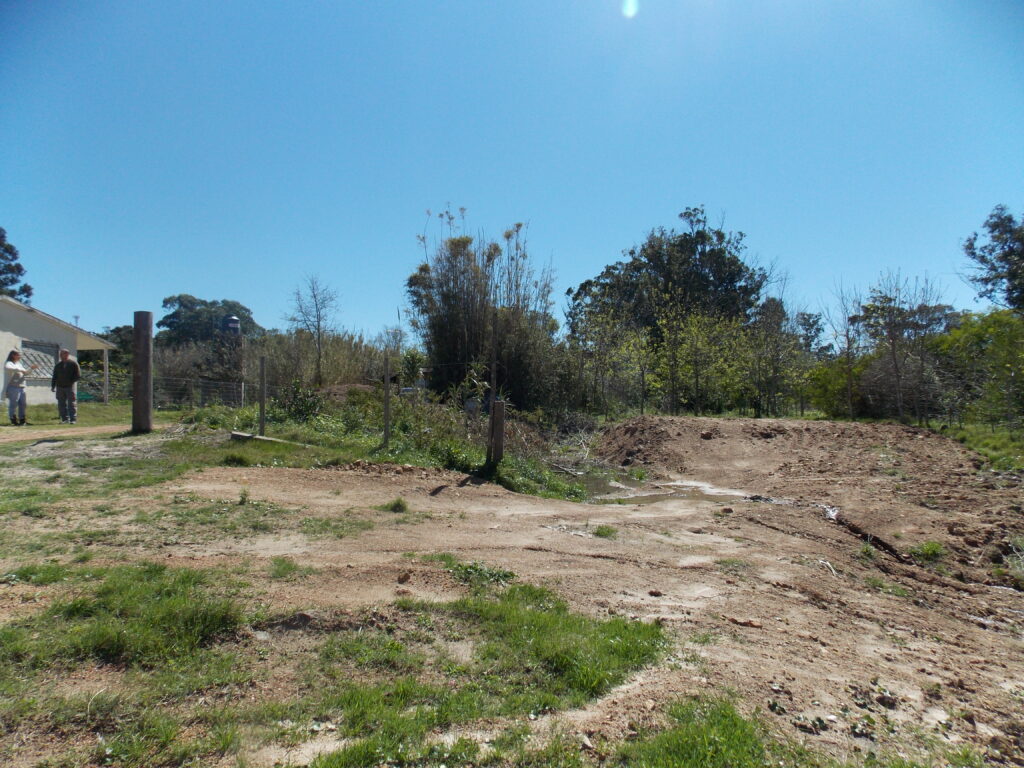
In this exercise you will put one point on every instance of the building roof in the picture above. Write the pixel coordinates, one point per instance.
(83, 339)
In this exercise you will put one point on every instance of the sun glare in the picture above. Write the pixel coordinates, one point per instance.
(630, 7)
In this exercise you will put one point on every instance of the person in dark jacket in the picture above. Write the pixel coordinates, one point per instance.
(65, 374)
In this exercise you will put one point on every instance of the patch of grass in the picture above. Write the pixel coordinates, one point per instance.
(285, 568)
(523, 475)
(867, 553)
(705, 733)
(732, 565)
(373, 648)
(1015, 560)
(49, 573)
(703, 638)
(880, 585)
(94, 415)
(143, 615)
(476, 575)
(531, 655)
(205, 518)
(1003, 448)
(606, 532)
(928, 552)
(398, 506)
(338, 527)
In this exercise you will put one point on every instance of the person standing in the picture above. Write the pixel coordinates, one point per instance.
(15, 371)
(66, 374)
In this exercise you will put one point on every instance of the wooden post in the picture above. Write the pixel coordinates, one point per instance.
(387, 400)
(263, 395)
(496, 441)
(106, 376)
(142, 373)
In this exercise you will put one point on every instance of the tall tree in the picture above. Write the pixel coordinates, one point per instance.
(698, 270)
(12, 272)
(192, 320)
(313, 307)
(999, 262)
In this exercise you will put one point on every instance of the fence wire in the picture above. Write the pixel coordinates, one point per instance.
(171, 392)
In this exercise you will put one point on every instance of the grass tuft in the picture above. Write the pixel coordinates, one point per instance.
(398, 506)
(928, 552)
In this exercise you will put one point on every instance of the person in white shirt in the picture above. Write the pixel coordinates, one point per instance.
(15, 372)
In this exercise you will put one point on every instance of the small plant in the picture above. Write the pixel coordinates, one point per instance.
(243, 497)
(282, 567)
(1015, 560)
(880, 585)
(732, 565)
(927, 552)
(476, 575)
(399, 506)
(606, 532)
(236, 460)
(867, 553)
(703, 638)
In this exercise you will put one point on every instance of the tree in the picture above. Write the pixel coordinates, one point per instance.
(314, 306)
(699, 270)
(901, 317)
(985, 367)
(999, 261)
(192, 320)
(847, 335)
(11, 272)
(476, 301)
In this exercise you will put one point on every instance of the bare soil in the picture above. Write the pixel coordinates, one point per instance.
(775, 553)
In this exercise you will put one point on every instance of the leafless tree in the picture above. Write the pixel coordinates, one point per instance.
(847, 335)
(314, 305)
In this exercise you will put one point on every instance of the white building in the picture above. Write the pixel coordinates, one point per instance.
(39, 337)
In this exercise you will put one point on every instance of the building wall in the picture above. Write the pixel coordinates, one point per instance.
(17, 324)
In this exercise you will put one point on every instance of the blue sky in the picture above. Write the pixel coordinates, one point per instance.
(230, 149)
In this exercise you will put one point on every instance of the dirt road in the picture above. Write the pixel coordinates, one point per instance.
(786, 577)
(73, 431)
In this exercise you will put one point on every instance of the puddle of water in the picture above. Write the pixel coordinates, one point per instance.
(692, 490)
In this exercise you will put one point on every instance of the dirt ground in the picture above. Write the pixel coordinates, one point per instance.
(775, 553)
(29, 432)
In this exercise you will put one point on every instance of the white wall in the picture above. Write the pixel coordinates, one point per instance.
(17, 324)
(26, 324)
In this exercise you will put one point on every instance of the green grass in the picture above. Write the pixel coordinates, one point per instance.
(284, 568)
(476, 575)
(531, 655)
(156, 629)
(704, 733)
(398, 506)
(93, 415)
(928, 552)
(606, 532)
(880, 585)
(143, 614)
(1003, 448)
(200, 518)
(336, 527)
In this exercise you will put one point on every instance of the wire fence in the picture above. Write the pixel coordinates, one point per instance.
(171, 392)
